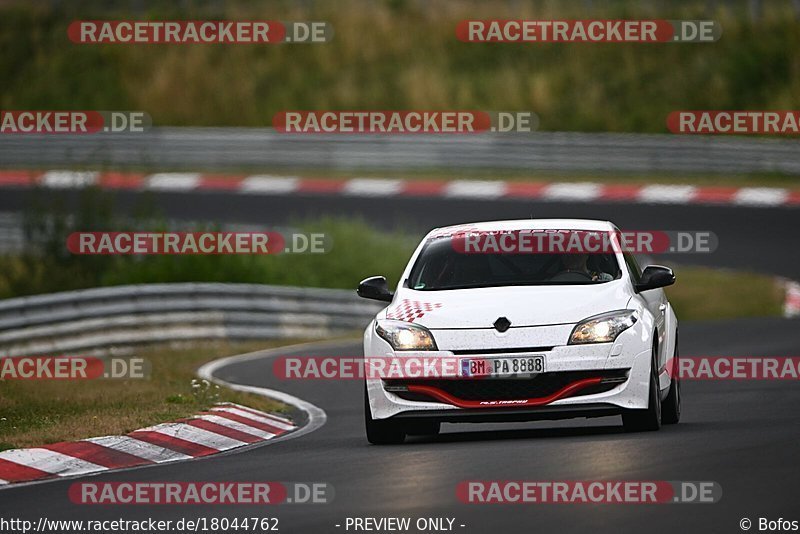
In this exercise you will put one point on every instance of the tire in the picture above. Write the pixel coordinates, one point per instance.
(382, 432)
(649, 419)
(671, 407)
(423, 428)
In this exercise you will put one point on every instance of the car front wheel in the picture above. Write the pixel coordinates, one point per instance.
(671, 409)
(648, 419)
(382, 431)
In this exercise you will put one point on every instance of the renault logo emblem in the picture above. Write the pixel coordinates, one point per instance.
(502, 324)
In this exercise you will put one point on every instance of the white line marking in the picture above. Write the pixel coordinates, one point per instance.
(173, 181)
(236, 425)
(760, 196)
(475, 189)
(276, 185)
(51, 462)
(572, 191)
(373, 187)
(140, 449)
(69, 179)
(667, 194)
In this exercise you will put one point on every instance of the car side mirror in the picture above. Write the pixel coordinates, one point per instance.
(375, 287)
(655, 276)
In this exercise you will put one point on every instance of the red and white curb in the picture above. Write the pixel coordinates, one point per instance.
(791, 303)
(270, 185)
(224, 427)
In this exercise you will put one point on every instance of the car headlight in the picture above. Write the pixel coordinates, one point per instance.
(405, 336)
(602, 328)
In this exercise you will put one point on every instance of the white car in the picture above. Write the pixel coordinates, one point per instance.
(535, 337)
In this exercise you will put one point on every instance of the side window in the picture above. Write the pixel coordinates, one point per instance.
(633, 268)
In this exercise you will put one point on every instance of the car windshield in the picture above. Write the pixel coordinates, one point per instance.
(441, 265)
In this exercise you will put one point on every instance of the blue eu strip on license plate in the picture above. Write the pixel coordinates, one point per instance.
(505, 366)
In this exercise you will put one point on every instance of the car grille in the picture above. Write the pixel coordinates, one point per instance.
(481, 389)
(465, 352)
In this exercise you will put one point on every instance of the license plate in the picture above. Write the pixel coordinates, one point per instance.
(503, 366)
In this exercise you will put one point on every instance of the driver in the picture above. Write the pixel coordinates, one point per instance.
(576, 263)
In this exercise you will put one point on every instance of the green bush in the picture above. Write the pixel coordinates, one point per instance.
(358, 250)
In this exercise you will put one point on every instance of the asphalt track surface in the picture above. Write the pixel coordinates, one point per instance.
(760, 239)
(742, 435)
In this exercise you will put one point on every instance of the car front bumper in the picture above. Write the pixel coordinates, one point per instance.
(630, 352)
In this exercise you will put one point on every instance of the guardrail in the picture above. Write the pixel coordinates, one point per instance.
(12, 238)
(263, 148)
(104, 319)
(108, 318)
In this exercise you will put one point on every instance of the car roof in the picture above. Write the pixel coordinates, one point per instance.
(531, 224)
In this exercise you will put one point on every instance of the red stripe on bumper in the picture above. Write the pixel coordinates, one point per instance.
(539, 401)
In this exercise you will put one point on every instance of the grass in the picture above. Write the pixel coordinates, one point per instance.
(403, 54)
(706, 293)
(39, 412)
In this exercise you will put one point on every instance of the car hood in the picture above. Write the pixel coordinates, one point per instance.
(521, 305)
